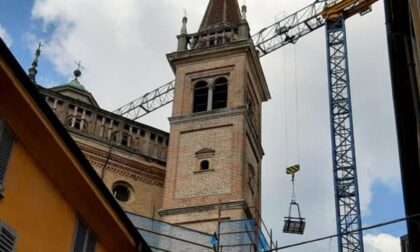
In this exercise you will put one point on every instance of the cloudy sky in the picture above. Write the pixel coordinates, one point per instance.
(122, 45)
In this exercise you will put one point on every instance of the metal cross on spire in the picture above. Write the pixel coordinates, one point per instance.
(79, 65)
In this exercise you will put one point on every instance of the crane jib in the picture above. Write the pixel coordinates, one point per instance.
(347, 8)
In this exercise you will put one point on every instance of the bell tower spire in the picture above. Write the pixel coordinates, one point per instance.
(221, 12)
(213, 168)
(33, 71)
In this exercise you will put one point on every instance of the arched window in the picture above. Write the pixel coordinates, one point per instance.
(220, 93)
(125, 139)
(204, 165)
(114, 136)
(200, 96)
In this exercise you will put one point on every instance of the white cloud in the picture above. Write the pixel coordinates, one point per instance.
(5, 36)
(382, 243)
(122, 45)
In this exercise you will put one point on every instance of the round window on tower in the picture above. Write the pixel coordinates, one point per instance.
(121, 192)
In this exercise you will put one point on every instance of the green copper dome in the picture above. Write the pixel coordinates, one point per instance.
(76, 84)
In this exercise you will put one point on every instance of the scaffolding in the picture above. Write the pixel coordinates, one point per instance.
(231, 236)
(241, 236)
(161, 236)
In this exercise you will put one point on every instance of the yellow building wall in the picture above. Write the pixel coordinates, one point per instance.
(34, 207)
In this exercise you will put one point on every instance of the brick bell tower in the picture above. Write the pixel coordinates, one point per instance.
(215, 153)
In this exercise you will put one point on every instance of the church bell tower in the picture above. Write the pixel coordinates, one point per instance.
(214, 157)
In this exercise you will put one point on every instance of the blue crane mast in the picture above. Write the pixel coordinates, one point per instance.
(343, 151)
(331, 14)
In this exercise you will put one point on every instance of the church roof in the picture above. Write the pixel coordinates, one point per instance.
(74, 89)
(221, 12)
(76, 84)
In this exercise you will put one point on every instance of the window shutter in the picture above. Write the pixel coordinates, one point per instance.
(6, 143)
(84, 240)
(7, 238)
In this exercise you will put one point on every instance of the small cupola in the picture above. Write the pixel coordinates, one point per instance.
(74, 89)
(75, 82)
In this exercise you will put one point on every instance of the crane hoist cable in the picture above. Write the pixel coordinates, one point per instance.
(293, 223)
(296, 105)
(295, 116)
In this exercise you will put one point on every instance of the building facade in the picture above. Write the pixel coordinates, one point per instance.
(128, 156)
(403, 27)
(208, 167)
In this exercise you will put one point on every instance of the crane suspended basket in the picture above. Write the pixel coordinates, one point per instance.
(294, 225)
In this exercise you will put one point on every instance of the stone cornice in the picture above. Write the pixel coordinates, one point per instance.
(220, 113)
(208, 115)
(226, 50)
(200, 54)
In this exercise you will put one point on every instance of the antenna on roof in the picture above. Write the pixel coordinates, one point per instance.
(32, 71)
